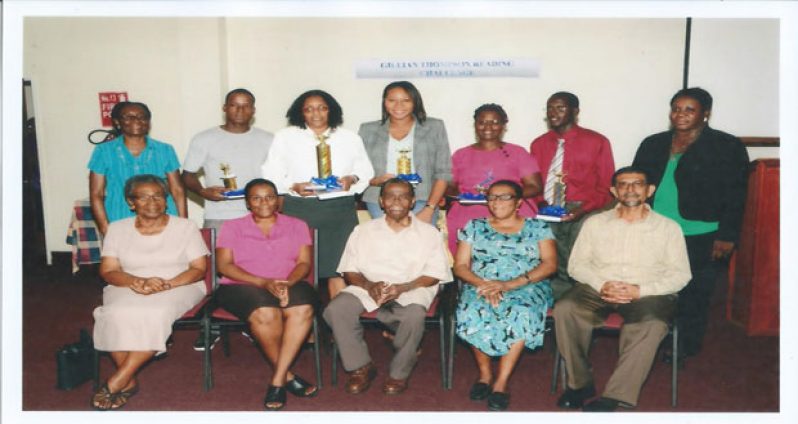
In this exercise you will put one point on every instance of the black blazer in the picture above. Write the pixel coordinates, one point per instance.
(711, 177)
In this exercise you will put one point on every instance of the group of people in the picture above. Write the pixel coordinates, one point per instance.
(648, 257)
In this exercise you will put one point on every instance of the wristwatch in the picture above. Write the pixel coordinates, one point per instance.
(429, 206)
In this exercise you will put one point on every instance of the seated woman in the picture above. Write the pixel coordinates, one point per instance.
(153, 264)
(263, 258)
(504, 260)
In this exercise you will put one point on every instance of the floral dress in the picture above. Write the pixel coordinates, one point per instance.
(521, 314)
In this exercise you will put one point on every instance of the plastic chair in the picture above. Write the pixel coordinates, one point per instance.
(612, 324)
(220, 320)
(436, 315)
(196, 316)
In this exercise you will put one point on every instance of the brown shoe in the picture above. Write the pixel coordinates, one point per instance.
(394, 387)
(360, 379)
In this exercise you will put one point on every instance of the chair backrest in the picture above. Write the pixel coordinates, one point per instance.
(314, 269)
(209, 236)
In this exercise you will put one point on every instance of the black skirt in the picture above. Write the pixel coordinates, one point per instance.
(334, 218)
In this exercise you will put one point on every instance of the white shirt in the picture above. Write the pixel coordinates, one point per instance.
(292, 158)
(382, 254)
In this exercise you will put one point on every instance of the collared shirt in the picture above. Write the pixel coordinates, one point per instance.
(650, 253)
(292, 158)
(272, 256)
(244, 153)
(587, 163)
(113, 160)
(382, 254)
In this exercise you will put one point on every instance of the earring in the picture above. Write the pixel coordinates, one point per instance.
(706, 119)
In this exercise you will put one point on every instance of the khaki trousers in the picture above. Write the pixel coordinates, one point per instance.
(645, 325)
(407, 322)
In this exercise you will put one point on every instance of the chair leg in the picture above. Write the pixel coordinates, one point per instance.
(555, 372)
(674, 365)
(206, 356)
(96, 370)
(442, 330)
(334, 376)
(450, 356)
(316, 357)
(225, 341)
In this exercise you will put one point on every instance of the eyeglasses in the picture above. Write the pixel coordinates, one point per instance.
(322, 108)
(140, 118)
(258, 199)
(502, 197)
(150, 197)
(633, 184)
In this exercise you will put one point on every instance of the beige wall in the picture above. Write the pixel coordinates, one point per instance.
(624, 71)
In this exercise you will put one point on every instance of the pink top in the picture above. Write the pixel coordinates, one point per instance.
(587, 164)
(473, 167)
(270, 257)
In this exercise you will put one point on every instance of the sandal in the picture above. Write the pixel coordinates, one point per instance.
(275, 398)
(498, 401)
(103, 394)
(479, 391)
(121, 398)
(299, 387)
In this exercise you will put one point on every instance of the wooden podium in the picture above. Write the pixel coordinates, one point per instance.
(753, 296)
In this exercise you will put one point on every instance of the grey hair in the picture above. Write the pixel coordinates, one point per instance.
(137, 180)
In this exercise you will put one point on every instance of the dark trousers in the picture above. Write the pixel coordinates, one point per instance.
(693, 310)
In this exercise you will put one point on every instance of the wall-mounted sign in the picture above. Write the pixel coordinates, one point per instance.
(107, 101)
(447, 68)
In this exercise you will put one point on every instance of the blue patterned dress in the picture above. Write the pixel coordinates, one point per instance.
(521, 315)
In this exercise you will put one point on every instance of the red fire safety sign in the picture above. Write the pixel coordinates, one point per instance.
(107, 101)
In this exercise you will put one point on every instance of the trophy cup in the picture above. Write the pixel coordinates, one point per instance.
(557, 208)
(558, 198)
(403, 166)
(323, 160)
(228, 179)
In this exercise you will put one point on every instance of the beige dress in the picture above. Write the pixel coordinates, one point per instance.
(128, 321)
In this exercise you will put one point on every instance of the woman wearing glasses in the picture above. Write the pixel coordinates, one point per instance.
(315, 118)
(490, 159)
(133, 152)
(504, 261)
(264, 258)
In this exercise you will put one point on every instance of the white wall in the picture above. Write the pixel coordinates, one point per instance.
(737, 60)
(624, 71)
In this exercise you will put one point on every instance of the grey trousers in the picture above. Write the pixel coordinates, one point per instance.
(407, 322)
(645, 325)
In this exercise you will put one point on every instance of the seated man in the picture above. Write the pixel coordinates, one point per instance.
(630, 260)
(394, 264)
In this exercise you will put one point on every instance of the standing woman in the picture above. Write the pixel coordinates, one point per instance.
(406, 127)
(490, 159)
(292, 162)
(504, 261)
(133, 152)
(701, 177)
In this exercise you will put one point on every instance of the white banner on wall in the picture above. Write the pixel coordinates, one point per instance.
(447, 68)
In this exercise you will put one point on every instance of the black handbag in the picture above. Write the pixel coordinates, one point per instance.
(75, 362)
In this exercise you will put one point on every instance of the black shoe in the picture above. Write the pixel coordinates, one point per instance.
(199, 344)
(602, 404)
(575, 398)
(275, 398)
(479, 391)
(498, 401)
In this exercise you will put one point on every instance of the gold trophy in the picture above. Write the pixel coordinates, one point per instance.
(558, 197)
(403, 164)
(228, 179)
(323, 160)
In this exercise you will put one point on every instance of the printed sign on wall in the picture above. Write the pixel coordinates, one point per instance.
(447, 68)
(107, 101)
